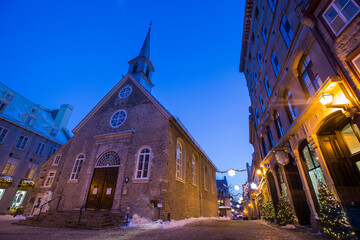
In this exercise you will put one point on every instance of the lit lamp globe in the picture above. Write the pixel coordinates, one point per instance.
(281, 157)
(237, 187)
(326, 98)
(231, 172)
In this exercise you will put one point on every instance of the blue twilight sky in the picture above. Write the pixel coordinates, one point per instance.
(55, 52)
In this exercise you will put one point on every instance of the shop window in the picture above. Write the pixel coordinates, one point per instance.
(313, 167)
(349, 133)
(18, 199)
(2, 191)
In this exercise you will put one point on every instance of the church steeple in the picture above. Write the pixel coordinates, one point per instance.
(140, 68)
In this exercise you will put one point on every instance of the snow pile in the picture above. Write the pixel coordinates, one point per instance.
(137, 221)
(10, 217)
(288, 226)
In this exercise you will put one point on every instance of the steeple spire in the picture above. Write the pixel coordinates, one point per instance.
(141, 68)
(145, 50)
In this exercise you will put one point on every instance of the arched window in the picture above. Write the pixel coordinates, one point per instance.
(309, 79)
(314, 170)
(147, 72)
(77, 167)
(179, 160)
(193, 167)
(108, 159)
(135, 68)
(143, 164)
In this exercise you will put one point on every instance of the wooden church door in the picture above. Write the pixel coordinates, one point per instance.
(102, 189)
(103, 184)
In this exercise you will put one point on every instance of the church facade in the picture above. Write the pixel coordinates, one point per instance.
(129, 155)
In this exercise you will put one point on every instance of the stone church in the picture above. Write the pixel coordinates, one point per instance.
(129, 155)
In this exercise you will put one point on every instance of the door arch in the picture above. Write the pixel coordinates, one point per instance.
(339, 140)
(103, 184)
(297, 192)
(272, 189)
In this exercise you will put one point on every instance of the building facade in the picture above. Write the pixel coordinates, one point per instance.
(301, 63)
(129, 155)
(223, 198)
(29, 135)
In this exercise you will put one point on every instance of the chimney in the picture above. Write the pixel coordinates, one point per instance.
(63, 116)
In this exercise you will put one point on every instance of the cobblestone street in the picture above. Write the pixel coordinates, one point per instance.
(206, 229)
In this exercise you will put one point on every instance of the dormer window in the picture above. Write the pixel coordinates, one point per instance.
(30, 121)
(9, 96)
(53, 132)
(135, 68)
(2, 106)
(33, 110)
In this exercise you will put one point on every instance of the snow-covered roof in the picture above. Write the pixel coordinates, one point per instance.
(18, 110)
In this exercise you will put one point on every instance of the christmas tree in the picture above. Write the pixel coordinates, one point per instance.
(268, 211)
(334, 221)
(284, 214)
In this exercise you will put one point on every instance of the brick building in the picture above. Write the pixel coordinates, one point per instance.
(301, 63)
(130, 155)
(29, 135)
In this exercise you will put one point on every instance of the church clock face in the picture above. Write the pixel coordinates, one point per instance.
(125, 91)
(118, 118)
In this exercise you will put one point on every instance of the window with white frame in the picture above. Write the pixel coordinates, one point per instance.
(9, 96)
(30, 172)
(286, 31)
(56, 160)
(10, 167)
(179, 160)
(267, 86)
(264, 33)
(40, 148)
(340, 13)
(193, 168)
(272, 4)
(53, 151)
(30, 121)
(21, 143)
(118, 118)
(291, 106)
(275, 64)
(49, 179)
(77, 167)
(2, 106)
(142, 171)
(3, 132)
(53, 132)
(356, 62)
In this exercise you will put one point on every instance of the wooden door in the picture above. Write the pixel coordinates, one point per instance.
(102, 189)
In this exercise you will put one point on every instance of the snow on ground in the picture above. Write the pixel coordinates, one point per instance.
(137, 221)
(10, 217)
(288, 226)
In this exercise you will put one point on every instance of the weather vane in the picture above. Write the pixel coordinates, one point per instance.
(150, 23)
